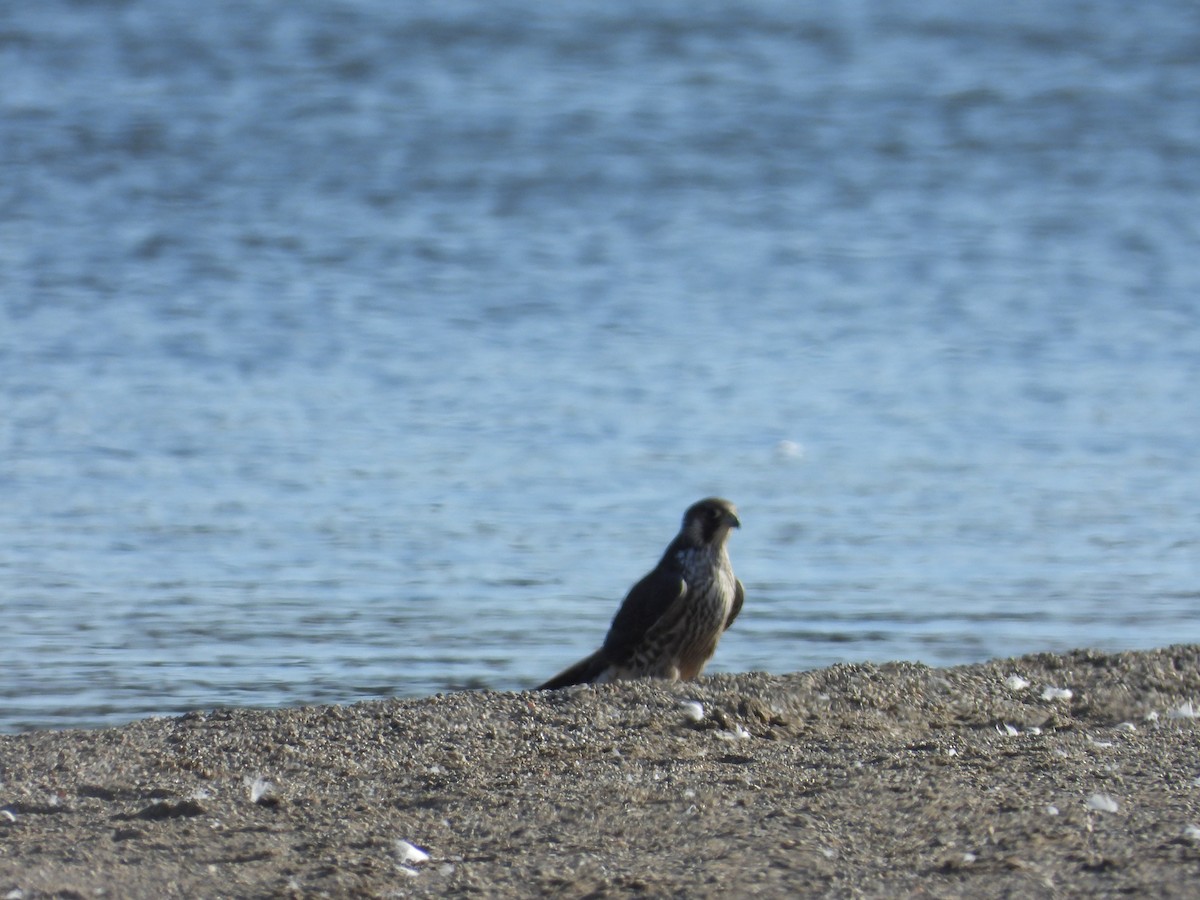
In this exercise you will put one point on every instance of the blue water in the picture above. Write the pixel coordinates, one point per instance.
(358, 349)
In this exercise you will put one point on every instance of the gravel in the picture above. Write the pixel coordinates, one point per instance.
(1049, 775)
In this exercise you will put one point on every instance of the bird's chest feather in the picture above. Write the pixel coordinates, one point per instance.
(682, 641)
(711, 583)
(709, 599)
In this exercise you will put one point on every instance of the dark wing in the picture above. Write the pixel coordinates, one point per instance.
(646, 603)
(738, 596)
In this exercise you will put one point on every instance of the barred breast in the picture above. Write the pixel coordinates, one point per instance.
(684, 640)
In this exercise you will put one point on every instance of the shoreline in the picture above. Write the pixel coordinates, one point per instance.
(1049, 775)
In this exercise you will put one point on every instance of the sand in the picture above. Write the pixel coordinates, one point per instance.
(858, 780)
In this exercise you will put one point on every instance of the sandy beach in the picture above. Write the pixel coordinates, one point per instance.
(1043, 776)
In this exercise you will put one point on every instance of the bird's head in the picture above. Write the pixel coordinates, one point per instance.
(709, 521)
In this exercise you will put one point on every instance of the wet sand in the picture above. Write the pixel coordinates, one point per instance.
(858, 780)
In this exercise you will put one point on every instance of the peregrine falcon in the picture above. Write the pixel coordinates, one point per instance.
(670, 622)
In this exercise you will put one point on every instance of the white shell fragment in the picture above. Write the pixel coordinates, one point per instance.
(1186, 711)
(262, 791)
(1015, 683)
(409, 853)
(693, 711)
(1102, 803)
(737, 733)
(1053, 693)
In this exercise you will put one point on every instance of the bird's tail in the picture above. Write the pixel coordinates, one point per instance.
(585, 671)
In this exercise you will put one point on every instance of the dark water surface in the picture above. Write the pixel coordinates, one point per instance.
(352, 349)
